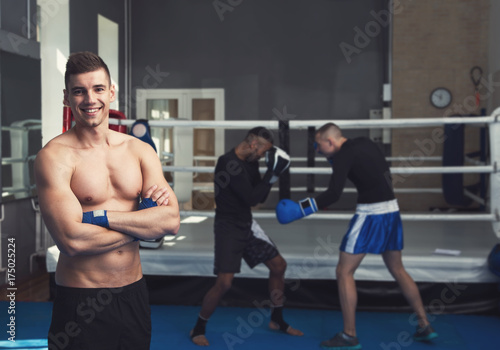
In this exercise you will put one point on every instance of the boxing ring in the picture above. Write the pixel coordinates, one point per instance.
(439, 248)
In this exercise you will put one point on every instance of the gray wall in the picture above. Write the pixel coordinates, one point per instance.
(268, 56)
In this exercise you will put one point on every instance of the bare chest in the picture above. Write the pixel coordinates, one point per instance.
(113, 178)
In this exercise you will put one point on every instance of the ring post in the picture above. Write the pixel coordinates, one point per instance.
(494, 130)
(483, 158)
(284, 136)
(311, 152)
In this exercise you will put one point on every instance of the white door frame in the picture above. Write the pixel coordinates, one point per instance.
(185, 96)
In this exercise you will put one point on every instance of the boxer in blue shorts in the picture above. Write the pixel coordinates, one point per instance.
(238, 186)
(376, 227)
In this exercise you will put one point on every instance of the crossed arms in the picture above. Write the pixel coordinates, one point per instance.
(62, 211)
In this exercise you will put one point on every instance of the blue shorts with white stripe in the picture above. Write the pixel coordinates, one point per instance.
(374, 229)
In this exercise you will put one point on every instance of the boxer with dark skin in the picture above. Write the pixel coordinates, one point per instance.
(92, 169)
(238, 187)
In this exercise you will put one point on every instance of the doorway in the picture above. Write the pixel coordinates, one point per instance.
(186, 146)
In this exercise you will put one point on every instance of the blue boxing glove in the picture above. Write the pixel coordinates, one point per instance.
(147, 203)
(288, 210)
(96, 217)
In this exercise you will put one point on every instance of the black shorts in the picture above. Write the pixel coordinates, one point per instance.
(230, 246)
(101, 318)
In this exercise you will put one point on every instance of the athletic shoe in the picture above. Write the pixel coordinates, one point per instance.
(425, 334)
(341, 341)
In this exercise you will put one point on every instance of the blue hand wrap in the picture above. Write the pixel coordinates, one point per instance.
(308, 206)
(96, 217)
(147, 203)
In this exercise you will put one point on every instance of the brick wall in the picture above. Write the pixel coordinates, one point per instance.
(435, 43)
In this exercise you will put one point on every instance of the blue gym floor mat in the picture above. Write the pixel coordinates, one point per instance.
(233, 328)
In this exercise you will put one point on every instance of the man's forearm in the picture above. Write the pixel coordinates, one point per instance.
(92, 240)
(150, 223)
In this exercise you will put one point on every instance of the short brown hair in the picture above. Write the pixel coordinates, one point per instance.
(84, 62)
(330, 128)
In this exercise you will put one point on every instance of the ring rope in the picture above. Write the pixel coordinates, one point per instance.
(394, 123)
(264, 214)
(322, 159)
(327, 171)
(304, 124)
(210, 188)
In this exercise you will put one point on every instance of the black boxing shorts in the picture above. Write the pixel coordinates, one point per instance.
(101, 318)
(254, 247)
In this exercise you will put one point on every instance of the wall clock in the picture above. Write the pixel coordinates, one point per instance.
(440, 97)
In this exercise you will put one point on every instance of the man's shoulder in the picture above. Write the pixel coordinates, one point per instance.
(56, 152)
(229, 162)
(361, 141)
(57, 144)
(227, 156)
(67, 142)
(353, 146)
(120, 137)
(134, 146)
